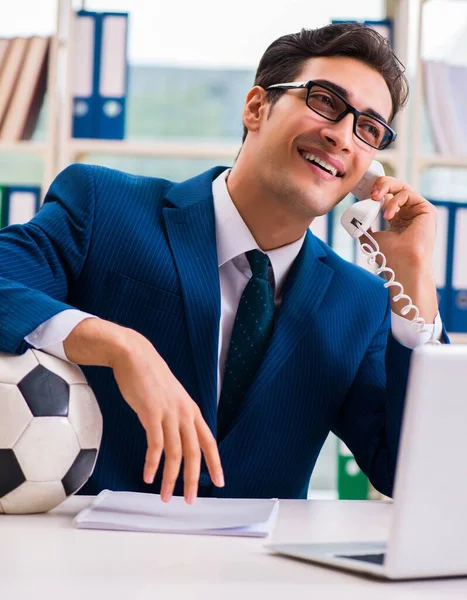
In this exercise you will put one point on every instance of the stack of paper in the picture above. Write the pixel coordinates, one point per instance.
(132, 511)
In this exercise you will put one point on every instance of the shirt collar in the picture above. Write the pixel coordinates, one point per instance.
(233, 237)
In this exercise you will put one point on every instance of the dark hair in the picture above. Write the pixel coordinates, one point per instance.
(285, 57)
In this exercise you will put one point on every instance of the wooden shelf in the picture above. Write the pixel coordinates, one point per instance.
(23, 146)
(458, 338)
(390, 157)
(176, 149)
(179, 149)
(442, 160)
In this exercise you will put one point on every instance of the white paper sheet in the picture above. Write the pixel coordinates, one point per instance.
(132, 511)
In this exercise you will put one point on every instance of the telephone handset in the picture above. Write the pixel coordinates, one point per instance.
(366, 211)
(357, 219)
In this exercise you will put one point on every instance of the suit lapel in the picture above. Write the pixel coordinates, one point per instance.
(304, 291)
(191, 231)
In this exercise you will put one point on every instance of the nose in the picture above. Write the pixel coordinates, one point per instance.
(340, 134)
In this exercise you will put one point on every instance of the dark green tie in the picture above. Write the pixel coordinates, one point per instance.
(250, 335)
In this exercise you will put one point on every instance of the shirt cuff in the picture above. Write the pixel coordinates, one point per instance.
(51, 334)
(406, 334)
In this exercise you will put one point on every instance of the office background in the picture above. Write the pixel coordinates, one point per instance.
(190, 66)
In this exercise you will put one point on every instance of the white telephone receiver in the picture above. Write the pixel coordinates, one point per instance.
(358, 219)
(366, 211)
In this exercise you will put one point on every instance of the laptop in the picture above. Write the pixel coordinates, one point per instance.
(428, 529)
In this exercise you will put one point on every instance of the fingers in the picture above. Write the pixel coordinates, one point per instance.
(182, 439)
(396, 194)
(388, 185)
(173, 458)
(185, 439)
(210, 450)
(191, 460)
(394, 204)
(155, 440)
(172, 421)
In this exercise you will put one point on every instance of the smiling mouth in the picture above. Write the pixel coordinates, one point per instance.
(319, 162)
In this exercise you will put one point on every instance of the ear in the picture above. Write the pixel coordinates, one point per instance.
(255, 106)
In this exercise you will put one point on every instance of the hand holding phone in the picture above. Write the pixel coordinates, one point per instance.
(358, 219)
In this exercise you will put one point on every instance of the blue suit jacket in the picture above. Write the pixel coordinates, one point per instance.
(141, 252)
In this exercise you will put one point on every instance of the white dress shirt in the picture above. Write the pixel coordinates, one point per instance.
(233, 239)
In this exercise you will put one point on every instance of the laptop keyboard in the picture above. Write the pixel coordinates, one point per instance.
(376, 559)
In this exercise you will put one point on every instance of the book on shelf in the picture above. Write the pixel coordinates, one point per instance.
(2, 205)
(99, 74)
(82, 75)
(445, 87)
(11, 66)
(458, 283)
(23, 74)
(18, 203)
(28, 95)
(4, 42)
(458, 85)
(352, 483)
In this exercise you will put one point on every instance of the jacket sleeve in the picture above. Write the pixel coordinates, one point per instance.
(40, 259)
(369, 421)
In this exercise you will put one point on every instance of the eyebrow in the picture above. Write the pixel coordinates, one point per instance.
(345, 94)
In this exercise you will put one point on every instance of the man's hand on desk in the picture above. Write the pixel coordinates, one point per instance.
(171, 419)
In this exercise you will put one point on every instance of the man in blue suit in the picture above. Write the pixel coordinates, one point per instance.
(213, 326)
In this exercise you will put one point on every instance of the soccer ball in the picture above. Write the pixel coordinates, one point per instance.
(50, 431)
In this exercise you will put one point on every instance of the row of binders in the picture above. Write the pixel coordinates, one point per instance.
(449, 258)
(18, 204)
(451, 264)
(100, 74)
(23, 76)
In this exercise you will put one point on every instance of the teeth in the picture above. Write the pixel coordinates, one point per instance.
(312, 158)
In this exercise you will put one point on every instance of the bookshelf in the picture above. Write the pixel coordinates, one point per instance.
(426, 161)
(395, 159)
(421, 161)
(43, 149)
(59, 148)
(70, 150)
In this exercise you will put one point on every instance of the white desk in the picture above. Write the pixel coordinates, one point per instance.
(42, 557)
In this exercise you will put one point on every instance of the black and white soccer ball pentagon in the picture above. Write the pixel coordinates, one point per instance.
(50, 431)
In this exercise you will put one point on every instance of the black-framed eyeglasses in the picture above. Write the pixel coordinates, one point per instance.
(332, 106)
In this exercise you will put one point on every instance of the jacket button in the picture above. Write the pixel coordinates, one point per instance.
(205, 480)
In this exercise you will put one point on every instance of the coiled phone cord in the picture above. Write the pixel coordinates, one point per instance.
(418, 323)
